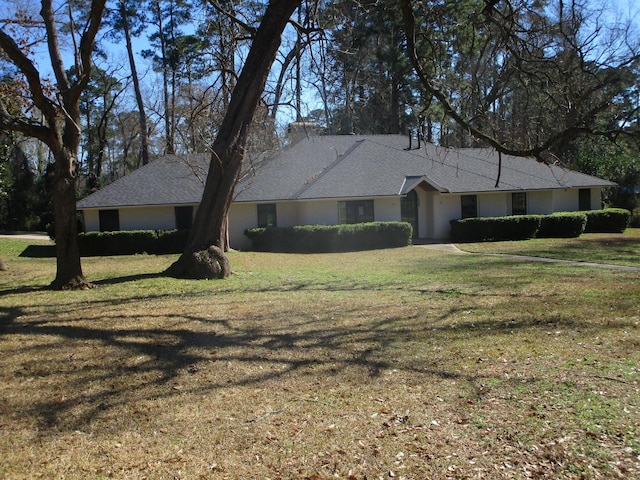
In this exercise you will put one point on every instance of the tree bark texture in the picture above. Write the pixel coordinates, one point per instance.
(60, 130)
(209, 226)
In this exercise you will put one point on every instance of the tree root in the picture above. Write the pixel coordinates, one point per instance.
(207, 264)
(76, 283)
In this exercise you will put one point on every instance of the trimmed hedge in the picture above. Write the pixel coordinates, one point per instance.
(158, 242)
(330, 238)
(485, 229)
(562, 225)
(608, 220)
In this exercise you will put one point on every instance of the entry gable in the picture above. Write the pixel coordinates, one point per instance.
(413, 181)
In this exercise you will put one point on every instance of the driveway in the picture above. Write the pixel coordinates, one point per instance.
(26, 236)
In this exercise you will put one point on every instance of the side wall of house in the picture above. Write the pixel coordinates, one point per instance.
(446, 207)
(318, 212)
(288, 214)
(386, 209)
(147, 218)
(539, 202)
(135, 218)
(91, 220)
(565, 200)
(241, 217)
(493, 205)
(435, 212)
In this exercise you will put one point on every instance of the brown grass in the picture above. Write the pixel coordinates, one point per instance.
(405, 363)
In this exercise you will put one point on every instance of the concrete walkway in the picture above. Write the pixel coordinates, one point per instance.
(451, 248)
(26, 236)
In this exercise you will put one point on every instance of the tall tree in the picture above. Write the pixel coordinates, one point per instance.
(527, 81)
(169, 56)
(128, 22)
(97, 105)
(204, 255)
(58, 126)
(368, 76)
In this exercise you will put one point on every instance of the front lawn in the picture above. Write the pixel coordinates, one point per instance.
(402, 363)
(616, 249)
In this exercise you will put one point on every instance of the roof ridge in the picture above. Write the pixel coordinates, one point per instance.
(308, 183)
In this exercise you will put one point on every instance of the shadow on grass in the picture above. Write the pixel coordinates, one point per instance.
(128, 278)
(89, 358)
(134, 360)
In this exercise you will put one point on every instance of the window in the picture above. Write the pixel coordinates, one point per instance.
(584, 199)
(469, 206)
(267, 215)
(355, 211)
(184, 217)
(109, 220)
(519, 203)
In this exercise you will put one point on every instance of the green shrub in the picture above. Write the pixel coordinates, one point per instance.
(116, 243)
(131, 242)
(608, 220)
(562, 225)
(330, 238)
(170, 241)
(484, 229)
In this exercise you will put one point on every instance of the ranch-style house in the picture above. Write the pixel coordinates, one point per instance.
(346, 179)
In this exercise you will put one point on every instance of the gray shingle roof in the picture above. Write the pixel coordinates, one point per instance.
(342, 166)
(169, 180)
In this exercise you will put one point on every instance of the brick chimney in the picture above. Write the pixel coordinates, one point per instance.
(298, 130)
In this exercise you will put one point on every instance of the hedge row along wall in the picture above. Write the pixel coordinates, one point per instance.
(131, 242)
(608, 220)
(331, 238)
(364, 236)
(556, 225)
(300, 239)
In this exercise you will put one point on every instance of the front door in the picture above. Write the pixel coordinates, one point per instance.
(409, 210)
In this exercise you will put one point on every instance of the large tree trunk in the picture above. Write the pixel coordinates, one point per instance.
(60, 129)
(204, 255)
(69, 269)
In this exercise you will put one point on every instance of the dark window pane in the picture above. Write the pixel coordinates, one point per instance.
(109, 220)
(267, 215)
(584, 199)
(184, 217)
(519, 203)
(469, 206)
(355, 211)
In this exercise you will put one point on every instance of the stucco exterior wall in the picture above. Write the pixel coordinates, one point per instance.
(147, 218)
(422, 213)
(386, 209)
(445, 208)
(135, 218)
(596, 198)
(426, 209)
(288, 214)
(565, 200)
(318, 212)
(493, 205)
(241, 217)
(539, 203)
(91, 220)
